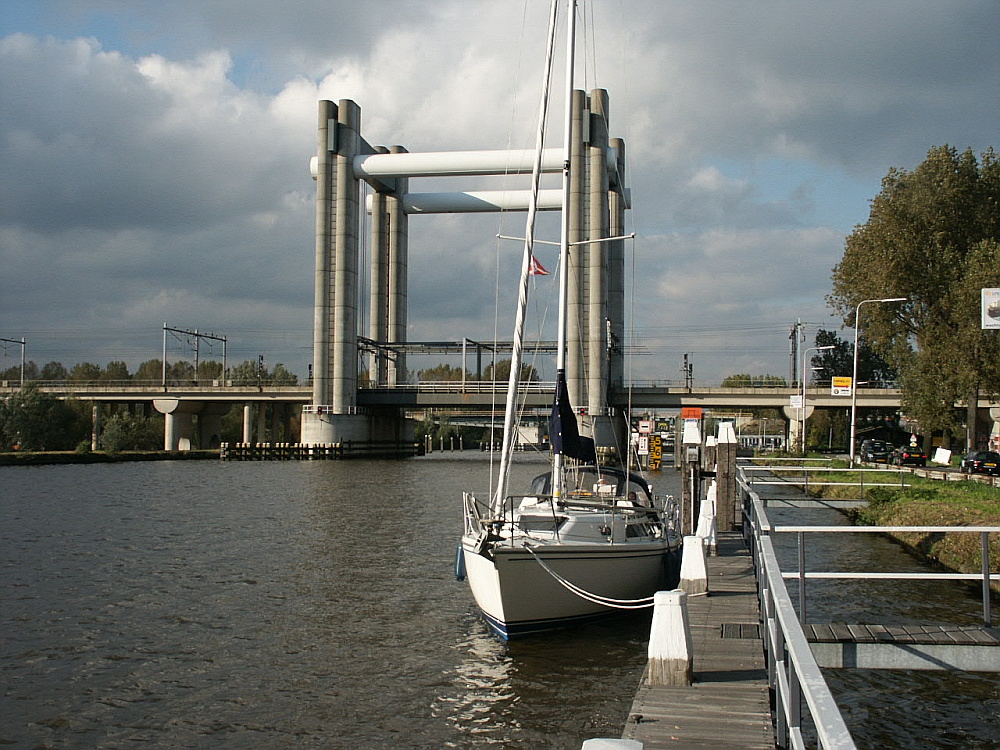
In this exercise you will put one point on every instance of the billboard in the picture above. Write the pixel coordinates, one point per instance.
(991, 309)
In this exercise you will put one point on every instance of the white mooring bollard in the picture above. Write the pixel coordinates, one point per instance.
(706, 518)
(669, 655)
(608, 744)
(694, 570)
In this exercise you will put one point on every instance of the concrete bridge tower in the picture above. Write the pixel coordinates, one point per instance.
(344, 159)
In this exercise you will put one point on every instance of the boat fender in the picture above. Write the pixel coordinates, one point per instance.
(459, 562)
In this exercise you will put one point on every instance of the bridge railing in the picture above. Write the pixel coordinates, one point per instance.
(467, 386)
(152, 383)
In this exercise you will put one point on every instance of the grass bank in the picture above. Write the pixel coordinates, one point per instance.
(929, 502)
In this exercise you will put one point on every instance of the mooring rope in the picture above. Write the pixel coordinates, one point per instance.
(606, 601)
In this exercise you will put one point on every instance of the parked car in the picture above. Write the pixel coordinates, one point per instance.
(875, 450)
(980, 462)
(908, 454)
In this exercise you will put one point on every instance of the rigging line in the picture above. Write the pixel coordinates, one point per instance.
(606, 601)
(514, 118)
(515, 360)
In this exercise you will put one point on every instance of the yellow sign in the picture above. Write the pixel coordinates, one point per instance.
(655, 452)
(841, 386)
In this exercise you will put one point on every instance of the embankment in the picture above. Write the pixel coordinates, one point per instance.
(41, 458)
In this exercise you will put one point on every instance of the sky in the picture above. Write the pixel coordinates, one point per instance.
(154, 161)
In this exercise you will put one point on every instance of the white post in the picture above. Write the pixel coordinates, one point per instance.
(694, 570)
(669, 655)
(706, 519)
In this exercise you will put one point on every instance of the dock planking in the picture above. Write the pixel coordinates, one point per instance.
(728, 703)
(924, 635)
(840, 645)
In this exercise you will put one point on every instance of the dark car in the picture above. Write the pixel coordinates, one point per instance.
(908, 454)
(875, 450)
(980, 462)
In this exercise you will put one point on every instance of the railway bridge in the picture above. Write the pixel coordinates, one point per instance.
(211, 401)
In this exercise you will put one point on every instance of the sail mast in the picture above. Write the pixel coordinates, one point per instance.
(510, 411)
(564, 231)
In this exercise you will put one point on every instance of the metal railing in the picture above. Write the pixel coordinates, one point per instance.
(792, 669)
(803, 477)
(985, 575)
(793, 673)
(463, 386)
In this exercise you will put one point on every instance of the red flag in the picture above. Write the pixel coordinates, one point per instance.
(536, 268)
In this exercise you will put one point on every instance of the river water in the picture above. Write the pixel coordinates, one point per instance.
(313, 605)
(275, 605)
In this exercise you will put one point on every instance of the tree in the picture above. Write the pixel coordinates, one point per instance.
(246, 373)
(210, 369)
(32, 420)
(283, 376)
(501, 371)
(181, 372)
(128, 432)
(54, 371)
(931, 237)
(116, 371)
(745, 380)
(14, 373)
(839, 361)
(11, 373)
(85, 372)
(446, 372)
(150, 370)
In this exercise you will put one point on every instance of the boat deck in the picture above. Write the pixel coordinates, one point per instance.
(728, 704)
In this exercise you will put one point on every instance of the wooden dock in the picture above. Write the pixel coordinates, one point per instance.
(728, 704)
(841, 645)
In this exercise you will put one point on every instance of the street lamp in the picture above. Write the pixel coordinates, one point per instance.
(854, 374)
(802, 369)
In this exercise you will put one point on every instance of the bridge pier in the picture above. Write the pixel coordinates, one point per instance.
(178, 429)
(319, 425)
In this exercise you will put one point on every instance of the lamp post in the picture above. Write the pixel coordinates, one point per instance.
(802, 369)
(854, 373)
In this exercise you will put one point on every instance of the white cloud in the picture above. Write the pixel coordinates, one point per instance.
(154, 157)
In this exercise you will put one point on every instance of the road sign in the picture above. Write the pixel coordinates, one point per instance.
(841, 386)
(645, 426)
(643, 447)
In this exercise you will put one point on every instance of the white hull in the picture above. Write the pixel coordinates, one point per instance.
(517, 595)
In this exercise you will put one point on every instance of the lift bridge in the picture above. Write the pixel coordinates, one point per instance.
(596, 268)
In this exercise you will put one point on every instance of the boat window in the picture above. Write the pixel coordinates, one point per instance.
(641, 493)
(540, 523)
(634, 530)
(541, 485)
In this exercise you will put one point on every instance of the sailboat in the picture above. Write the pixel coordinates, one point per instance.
(584, 540)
